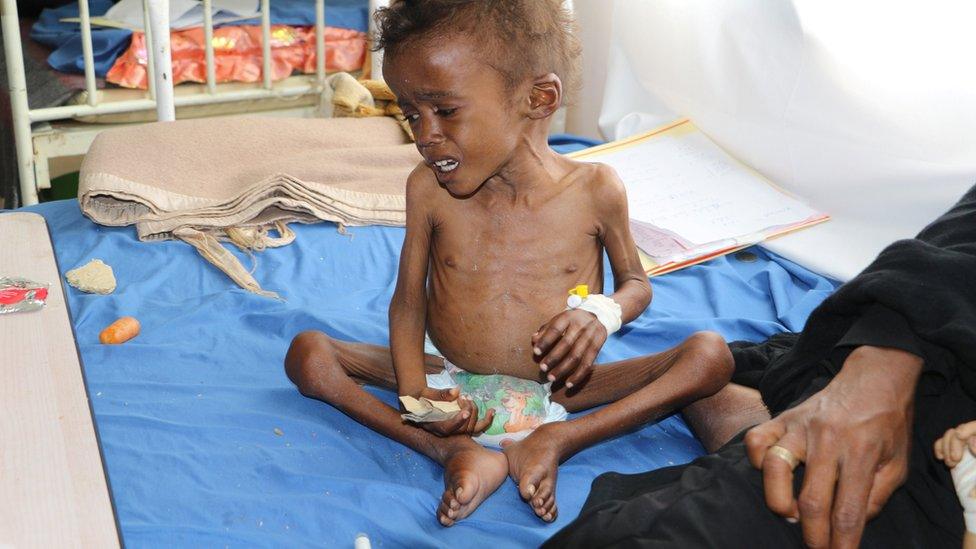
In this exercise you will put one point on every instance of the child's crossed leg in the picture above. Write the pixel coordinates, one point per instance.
(331, 371)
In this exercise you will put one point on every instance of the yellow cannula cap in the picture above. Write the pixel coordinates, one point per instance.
(582, 290)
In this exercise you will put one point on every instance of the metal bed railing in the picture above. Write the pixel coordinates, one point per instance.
(161, 97)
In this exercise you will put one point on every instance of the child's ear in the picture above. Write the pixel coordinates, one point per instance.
(545, 96)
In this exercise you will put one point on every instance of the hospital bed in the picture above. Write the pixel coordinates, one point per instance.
(52, 134)
(205, 441)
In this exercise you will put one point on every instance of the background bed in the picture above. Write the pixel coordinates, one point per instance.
(52, 143)
(189, 413)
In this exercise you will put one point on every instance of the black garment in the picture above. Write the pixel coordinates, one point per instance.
(919, 295)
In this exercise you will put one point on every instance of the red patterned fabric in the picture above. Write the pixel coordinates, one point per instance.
(237, 54)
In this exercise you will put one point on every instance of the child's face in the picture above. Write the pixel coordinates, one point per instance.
(460, 110)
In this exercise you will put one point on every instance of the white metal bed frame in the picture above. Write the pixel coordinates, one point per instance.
(37, 141)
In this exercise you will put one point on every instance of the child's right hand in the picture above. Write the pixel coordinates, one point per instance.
(465, 423)
(952, 446)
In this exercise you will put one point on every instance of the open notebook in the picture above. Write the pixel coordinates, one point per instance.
(691, 201)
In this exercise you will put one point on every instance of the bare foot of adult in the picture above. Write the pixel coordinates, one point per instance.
(532, 464)
(471, 474)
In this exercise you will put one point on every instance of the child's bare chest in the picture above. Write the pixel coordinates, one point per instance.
(511, 249)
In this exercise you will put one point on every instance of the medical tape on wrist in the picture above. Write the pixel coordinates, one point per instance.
(607, 310)
(964, 477)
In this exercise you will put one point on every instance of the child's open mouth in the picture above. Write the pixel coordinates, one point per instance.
(446, 165)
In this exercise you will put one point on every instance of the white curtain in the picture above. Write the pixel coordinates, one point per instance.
(865, 109)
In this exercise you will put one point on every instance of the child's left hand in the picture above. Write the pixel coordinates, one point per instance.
(957, 448)
(568, 344)
(952, 446)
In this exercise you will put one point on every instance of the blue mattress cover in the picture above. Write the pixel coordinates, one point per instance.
(206, 441)
(108, 43)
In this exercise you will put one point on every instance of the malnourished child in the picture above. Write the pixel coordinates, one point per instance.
(499, 229)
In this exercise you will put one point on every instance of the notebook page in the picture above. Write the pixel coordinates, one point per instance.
(659, 245)
(682, 182)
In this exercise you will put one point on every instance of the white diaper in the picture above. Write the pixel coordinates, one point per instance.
(520, 405)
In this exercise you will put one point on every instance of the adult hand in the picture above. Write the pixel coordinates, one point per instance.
(854, 436)
(567, 345)
(466, 422)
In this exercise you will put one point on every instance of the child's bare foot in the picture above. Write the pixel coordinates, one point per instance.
(471, 474)
(532, 464)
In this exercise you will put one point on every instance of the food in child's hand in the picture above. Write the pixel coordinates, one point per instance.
(428, 411)
(120, 331)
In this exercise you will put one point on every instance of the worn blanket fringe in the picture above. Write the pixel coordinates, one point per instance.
(213, 251)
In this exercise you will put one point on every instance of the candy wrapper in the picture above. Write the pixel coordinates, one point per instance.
(21, 295)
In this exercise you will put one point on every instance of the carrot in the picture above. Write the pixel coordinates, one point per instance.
(120, 331)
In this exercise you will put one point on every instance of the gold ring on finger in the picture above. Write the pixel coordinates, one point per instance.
(785, 455)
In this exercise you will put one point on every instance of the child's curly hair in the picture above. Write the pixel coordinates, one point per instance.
(522, 38)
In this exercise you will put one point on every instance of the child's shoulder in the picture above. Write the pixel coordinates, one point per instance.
(421, 182)
(601, 182)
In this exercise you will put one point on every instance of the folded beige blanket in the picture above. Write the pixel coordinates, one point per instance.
(236, 179)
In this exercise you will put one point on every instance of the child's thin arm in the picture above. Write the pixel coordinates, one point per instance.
(632, 290)
(408, 308)
(408, 316)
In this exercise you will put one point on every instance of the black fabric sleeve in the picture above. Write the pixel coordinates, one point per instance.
(929, 281)
(881, 326)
